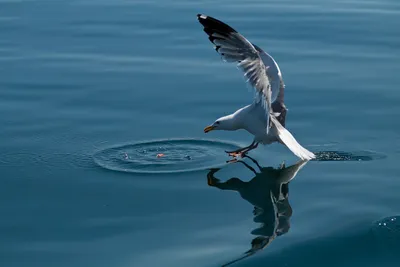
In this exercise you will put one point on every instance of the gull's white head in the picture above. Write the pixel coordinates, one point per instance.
(226, 123)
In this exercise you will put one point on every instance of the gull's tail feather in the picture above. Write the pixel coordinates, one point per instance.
(287, 138)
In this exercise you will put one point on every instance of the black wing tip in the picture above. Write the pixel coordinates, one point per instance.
(202, 18)
(214, 24)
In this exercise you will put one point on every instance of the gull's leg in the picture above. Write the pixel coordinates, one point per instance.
(248, 166)
(254, 146)
(253, 160)
(235, 160)
(242, 151)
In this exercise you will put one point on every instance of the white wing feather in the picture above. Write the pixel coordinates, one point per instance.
(260, 69)
(290, 142)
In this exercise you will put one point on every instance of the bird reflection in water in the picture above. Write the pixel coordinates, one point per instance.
(268, 192)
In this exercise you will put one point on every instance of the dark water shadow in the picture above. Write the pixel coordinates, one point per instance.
(268, 192)
(356, 244)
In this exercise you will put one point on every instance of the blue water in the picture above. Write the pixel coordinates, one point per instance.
(80, 77)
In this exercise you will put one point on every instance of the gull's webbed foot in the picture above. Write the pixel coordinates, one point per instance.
(234, 153)
(237, 154)
(241, 152)
(232, 160)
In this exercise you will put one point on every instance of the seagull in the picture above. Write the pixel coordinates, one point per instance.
(265, 117)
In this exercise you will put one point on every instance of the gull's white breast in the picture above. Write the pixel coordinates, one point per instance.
(254, 121)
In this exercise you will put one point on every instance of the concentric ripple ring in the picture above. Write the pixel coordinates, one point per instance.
(165, 156)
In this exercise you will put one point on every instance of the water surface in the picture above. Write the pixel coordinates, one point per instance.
(81, 76)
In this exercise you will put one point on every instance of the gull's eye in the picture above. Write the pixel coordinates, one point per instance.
(217, 122)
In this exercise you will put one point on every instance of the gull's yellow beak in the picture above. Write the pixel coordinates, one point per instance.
(209, 128)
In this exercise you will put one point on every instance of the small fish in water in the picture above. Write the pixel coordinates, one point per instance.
(160, 155)
(188, 157)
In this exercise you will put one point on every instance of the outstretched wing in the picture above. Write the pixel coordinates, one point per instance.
(259, 68)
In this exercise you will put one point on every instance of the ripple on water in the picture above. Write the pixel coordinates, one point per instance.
(387, 234)
(165, 156)
(347, 156)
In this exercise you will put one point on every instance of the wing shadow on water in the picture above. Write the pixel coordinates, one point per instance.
(268, 192)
